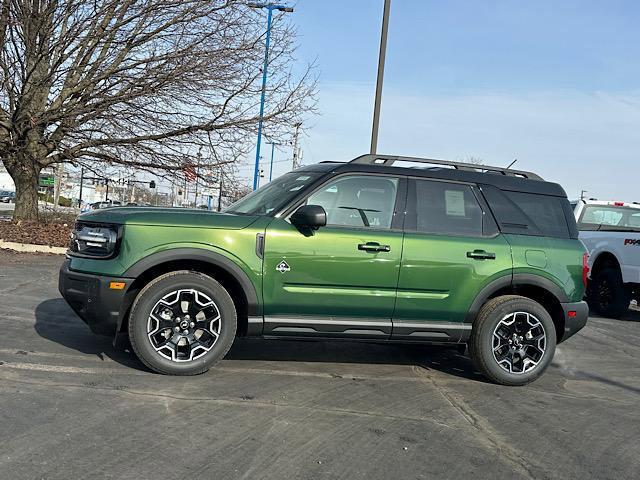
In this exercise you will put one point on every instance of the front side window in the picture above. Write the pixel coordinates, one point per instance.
(447, 209)
(358, 201)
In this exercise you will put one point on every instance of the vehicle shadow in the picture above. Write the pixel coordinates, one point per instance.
(632, 315)
(55, 321)
(445, 359)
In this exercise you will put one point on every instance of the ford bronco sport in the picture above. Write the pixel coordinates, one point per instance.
(374, 249)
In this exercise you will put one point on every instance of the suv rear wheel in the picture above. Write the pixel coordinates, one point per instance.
(513, 340)
(181, 323)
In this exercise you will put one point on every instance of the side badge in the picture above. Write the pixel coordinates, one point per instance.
(283, 267)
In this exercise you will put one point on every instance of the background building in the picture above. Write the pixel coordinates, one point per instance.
(6, 182)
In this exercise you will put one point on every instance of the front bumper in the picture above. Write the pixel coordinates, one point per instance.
(574, 322)
(90, 297)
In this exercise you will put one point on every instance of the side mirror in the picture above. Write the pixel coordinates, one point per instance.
(309, 216)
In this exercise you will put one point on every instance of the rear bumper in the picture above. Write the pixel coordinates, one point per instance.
(91, 298)
(574, 322)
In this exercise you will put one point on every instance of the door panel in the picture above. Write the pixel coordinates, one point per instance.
(326, 276)
(439, 281)
(451, 251)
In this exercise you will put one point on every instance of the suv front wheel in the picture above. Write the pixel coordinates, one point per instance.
(181, 323)
(513, 340)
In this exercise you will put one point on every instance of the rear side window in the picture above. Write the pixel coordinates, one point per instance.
(529, 213)
(447, 209)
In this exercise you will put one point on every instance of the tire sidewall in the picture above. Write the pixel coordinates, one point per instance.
(485, 340)
(147, 299)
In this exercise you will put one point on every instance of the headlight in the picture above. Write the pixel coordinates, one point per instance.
(93, 240)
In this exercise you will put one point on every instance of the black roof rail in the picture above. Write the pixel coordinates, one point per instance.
(388, 160)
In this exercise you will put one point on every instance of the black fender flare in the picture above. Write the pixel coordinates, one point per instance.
(513, 281)
(207, 256)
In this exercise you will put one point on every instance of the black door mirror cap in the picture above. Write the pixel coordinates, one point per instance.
(309, 216)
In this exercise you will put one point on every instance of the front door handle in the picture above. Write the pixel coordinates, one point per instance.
(374, 247)
(481, 255)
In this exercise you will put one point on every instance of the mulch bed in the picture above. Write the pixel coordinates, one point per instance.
(53, 234)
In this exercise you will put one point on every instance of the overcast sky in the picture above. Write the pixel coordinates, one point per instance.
(553, 84)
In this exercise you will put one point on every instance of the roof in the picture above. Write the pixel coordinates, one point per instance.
(502, 178)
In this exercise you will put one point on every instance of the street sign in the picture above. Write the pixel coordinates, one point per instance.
(47, 180)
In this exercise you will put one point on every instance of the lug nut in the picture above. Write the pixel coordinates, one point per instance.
(177, 329)
(185, 332)
(192, 324)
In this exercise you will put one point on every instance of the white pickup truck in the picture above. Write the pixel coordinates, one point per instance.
(611, 233)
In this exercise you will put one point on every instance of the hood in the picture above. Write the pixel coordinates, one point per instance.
(168, 217)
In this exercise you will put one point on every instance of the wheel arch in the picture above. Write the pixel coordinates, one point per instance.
(537, 288)
(221, 268)
(603, 261)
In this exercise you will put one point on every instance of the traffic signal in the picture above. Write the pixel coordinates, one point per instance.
(152, 184)
(262, 173)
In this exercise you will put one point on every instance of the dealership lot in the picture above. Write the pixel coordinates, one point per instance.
(75, 407)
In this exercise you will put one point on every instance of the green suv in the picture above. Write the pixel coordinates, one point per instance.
(382, 248)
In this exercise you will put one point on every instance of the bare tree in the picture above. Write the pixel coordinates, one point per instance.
(146, 83)
(474, 160)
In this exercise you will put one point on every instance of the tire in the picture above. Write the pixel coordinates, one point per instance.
(194, 303)
(523, 361)
(608, 295)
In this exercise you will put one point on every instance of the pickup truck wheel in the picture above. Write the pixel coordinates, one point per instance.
(608, 295)
(181, 323)
(513, 340)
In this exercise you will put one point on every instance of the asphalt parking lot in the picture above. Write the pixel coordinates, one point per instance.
(73, 407)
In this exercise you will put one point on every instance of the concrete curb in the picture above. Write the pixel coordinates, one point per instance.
(31, 248)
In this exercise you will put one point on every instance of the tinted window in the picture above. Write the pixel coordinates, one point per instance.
(546, 212)
(358, 201)
(447, 208)
(530, 214)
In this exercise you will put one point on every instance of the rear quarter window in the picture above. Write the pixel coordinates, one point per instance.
(531, 214)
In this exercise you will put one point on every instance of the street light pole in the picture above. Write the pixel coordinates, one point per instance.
(381, 58)
(273, 146)
(270, 8)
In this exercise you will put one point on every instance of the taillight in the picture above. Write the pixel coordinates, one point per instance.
(619, 204)
(585, 268)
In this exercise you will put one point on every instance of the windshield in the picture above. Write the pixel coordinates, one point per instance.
(267, 199)
(605, 217)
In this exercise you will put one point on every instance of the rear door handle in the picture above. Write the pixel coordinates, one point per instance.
(374, 247)
(481, 255)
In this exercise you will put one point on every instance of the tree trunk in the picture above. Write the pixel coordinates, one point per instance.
(25, 174)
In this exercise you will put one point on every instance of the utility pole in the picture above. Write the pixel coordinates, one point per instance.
(295, 144)
(220, 193)
(381, 58)
(56, 193)
(81, 182)
(270, 8)
(199, 157)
